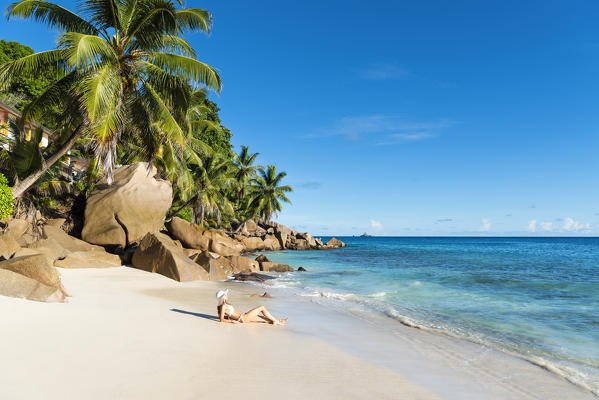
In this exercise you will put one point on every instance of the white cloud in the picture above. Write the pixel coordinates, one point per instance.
(376, 225)
(386, 129)
(396, 138)
(384, 72)
(574, 226)
(532, 225)
(486, 225)
(547, 226)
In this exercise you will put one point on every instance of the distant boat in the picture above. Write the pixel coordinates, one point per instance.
(365, 235)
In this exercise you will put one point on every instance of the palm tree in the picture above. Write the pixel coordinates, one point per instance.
(267, 192)
(212, 180)
(123, 65)
(246, 171)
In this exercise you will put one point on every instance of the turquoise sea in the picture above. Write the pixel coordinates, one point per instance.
(537, 298)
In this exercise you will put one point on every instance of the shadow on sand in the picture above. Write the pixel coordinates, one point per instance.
(206, 316)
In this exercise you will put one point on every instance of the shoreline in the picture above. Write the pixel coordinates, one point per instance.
(126, 333)
(451, 366)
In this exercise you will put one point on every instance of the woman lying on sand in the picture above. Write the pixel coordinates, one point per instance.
(258, 314)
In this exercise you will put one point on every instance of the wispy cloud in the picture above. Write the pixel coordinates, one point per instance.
(385, 72)
(486, 225)
(547, 226)
(532, 225)
(574, 226)
(308, 185)
(383, 129)
(444, 220)
(396, 138)
(376, 225)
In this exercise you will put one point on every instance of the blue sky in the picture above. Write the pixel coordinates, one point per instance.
(412, 118)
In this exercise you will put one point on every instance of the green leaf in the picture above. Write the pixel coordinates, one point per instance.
(51, 14)
(188, 69)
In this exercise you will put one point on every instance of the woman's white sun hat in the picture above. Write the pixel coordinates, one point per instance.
(221, 295)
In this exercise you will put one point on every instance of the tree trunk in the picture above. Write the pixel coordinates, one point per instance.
(26, 183)
(188, 202)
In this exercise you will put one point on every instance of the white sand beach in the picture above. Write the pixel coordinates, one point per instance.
(128, 334)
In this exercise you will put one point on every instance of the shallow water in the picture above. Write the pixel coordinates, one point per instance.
(537, 298)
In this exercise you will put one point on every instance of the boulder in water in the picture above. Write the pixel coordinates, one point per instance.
(275, 267)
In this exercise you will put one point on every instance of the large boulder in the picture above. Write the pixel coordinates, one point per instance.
(89, 259)
(195, 237)
(48, 247)
(253, 244)
(158, 253)
(8, 245)
(190, 235)
(125, 211)
(262, 258)
(271, 243)
(67, 242)
(17, 227)
(275, 267)
(16, 285)
(308, 238)
(334, 243)
(223, 245)
(217, 266)
(244, 263)
(253, 276)
(299, 244)
(36, 267)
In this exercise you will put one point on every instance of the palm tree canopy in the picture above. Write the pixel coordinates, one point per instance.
(127, 64)
(245, 168)
(268, 192)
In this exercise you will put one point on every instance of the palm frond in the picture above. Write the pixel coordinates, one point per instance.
(51, 14)
(86, 50)
(187, 68)
(54, 188)
(167, 122)
(101, 91)
(194, 19)
(103, 13)
(178, 45)
(30, 65)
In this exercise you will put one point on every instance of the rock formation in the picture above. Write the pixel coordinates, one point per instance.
(35, 267)
(125, 211)
(89, 259)
(158, 253)
(275, 267)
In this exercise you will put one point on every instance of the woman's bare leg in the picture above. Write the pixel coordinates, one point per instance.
(254, 316)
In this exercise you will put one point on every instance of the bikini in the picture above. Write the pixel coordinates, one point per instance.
(229, 310)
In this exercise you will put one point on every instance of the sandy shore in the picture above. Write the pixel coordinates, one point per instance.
(127, 334)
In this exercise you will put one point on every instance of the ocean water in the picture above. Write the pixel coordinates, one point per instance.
(536, 298)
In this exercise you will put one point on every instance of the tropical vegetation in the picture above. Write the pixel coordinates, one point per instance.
(128, 87)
